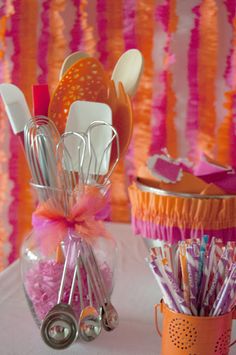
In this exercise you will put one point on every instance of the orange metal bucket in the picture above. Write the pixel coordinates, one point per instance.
(190, 335)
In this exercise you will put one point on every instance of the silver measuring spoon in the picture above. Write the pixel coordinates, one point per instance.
(110, 318)
(59, 328)
(90, 320)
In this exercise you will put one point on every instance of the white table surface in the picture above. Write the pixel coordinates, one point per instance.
(134, 295)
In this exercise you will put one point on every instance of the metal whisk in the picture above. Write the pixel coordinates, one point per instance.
(101, 136)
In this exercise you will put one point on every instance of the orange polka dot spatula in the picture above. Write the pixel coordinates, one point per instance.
(82, 81)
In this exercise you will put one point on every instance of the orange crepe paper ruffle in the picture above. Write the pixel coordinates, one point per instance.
(192, 213)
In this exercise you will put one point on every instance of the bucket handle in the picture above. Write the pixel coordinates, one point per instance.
(160, 305)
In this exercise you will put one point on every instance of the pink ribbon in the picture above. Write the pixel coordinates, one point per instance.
(51, 226)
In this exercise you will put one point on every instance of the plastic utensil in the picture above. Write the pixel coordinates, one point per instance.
(41, 99)
(122, 116)
(81, 115)
(83, 81)
(128, 70)
(16, 108)
(71, 60)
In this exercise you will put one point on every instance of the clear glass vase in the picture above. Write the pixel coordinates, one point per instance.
(66, 273)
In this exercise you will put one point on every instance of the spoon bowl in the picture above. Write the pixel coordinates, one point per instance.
(70, 60)
(128, 71)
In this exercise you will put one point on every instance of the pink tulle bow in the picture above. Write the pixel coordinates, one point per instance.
(51, 225)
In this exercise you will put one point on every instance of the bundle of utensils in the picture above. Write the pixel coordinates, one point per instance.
(73, 144)
(60, 177)
(197, 277)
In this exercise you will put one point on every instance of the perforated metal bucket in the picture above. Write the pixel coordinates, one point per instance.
(190, 335)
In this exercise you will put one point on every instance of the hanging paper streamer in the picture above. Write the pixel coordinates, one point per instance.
(43, 42)
(28, 53)
(142, 130)
(193, 101)
(76, 31)
(208, 51)
(129, 12)
(5, 247)
(114, 16)
(102, 32)
(89, 43)
(14, 32)
(164, 132)
(226, 135)
(57, 41)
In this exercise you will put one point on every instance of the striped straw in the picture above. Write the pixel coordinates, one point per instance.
(192, 265)
(226, 295)
(164, 286)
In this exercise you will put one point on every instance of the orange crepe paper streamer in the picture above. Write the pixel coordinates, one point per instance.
(57, 42)
(119, 196)
(225, 152)
(208, 51)
(144, 29)
(27, 77)
(224, 132)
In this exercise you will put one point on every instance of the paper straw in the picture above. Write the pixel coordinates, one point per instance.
(203, 246)
(168, 256)
(192, 265)
(177, 268)
(206, 274)
(178, 294)
(166, 291)
(184, 269)
(225, 296)
(217, 281)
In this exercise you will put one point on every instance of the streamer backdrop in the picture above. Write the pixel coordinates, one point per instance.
(35, 37)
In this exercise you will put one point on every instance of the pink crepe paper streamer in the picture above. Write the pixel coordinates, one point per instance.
(159, 108)
(102, 32)
(162, 15)
(129, 24)
(42, 284)
(3, 10)
(192, 109)
(173, 234)
(76, 31)
(43, 42)
(159, 129)
(14, 146)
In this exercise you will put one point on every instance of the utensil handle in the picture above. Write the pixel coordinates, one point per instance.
(156, 318)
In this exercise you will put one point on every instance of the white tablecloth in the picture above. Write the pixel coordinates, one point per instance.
(134, 295)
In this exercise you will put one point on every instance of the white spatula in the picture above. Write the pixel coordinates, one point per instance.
(16, 108)
(81, 115)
